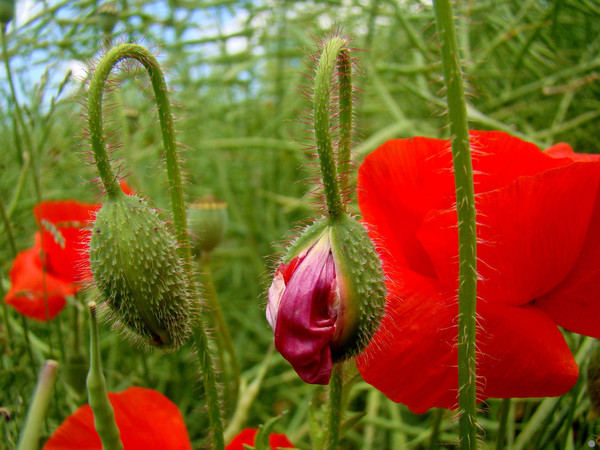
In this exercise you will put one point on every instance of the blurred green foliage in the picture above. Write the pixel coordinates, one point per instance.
(234, 69)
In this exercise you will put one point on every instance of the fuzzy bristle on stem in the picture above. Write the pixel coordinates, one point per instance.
(466, 216)
(334, 54)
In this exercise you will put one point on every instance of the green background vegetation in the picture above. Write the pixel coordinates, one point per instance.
(234, 70)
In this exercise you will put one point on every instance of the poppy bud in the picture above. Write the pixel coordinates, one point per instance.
(593, 381)
(207, 220)
(327, 297)
(138, 273)
(108, 15)
(7, 11)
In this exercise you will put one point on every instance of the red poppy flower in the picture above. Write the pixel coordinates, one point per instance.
(34, 293)
(146, 419)
(248, 435)
(65, 238)
(538, 263)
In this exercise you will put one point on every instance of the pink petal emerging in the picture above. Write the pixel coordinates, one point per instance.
(298, 310)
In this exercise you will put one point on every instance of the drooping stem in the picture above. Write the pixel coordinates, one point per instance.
(30, 437)
(335, 408)
(109, 180)
(333, 49)
(104, 416)
(467, 237)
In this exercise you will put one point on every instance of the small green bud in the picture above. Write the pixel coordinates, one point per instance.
(327, 297)
(108, 15)
(132, 116)
(593, 382)
(7, 11)
(207, 221)
(139, 273)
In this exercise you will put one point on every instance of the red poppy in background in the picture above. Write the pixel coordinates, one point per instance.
(66, 235)
(28, 284)
(38, 290)
(248, 435)
(147, 420)
(538, 216)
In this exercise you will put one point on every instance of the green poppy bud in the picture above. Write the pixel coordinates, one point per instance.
(7, 11)
(139, 273)
(108, 15)
(327, 297)
(207, 221)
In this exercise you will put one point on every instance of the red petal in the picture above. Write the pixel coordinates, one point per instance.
(522, 353)
(28, 283)
(397, 185)
(562, 150)
(412, 358)
(499, 159)
(248, 435)
(126, 188)
(146, 419)
(526, 243)
(575, 303)
(67, 259)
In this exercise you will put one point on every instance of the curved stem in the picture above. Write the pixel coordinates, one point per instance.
(335, 408)
(467, 237)
(333, 49)
(109, 180)
(104, 416)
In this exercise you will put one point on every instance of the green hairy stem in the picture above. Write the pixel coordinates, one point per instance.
(467, 237)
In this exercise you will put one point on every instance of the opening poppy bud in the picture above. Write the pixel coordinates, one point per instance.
(139, 274)
(593, 382)
(207, 221)
(108, 15)
(7, 11)
(327, 297)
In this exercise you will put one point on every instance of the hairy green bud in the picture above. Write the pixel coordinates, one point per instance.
(207, 221)
(139, 274)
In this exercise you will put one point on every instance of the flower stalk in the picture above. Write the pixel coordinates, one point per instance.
(104, 416)
(109, 180)
(335, 407)
(38, 407)
(466, 215)
(334, 54)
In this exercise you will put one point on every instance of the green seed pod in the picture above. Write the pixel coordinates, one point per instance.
(139, 274)
(7, 11)
(132, 116)
(327, 297)
(593, 382)
(207, 221)
(108, 15)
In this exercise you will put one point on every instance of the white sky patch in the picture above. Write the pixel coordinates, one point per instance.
(79, 72)
(25, 10)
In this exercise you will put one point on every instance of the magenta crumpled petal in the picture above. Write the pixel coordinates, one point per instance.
(303, 327)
